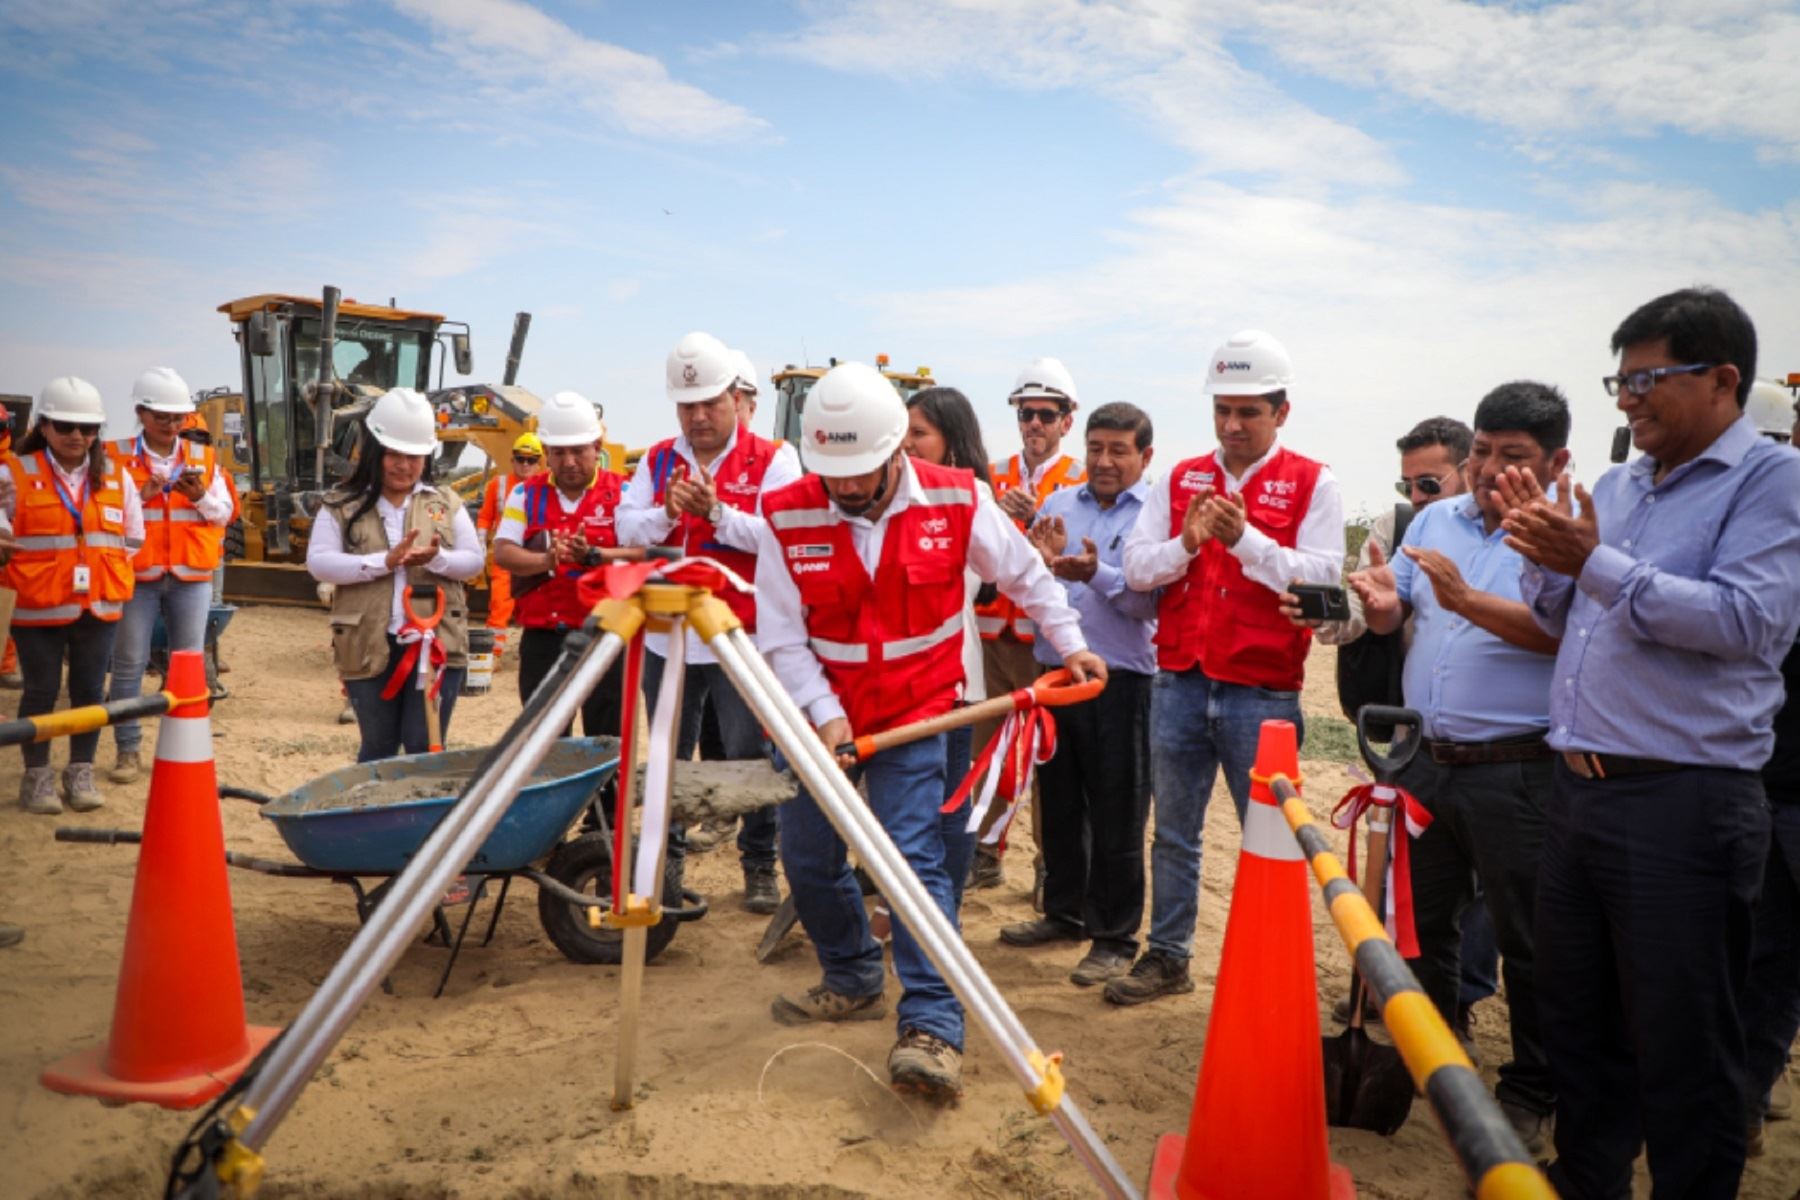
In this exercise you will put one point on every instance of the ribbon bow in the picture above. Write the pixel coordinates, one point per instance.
(411, 638)
(1415, 819)
(618, 580)
(1026, 738)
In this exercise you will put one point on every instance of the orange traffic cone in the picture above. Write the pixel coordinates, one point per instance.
(1258, 1122)
(178, 1034)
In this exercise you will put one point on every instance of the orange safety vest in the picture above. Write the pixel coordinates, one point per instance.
(53, 542)
(178, 541)
(991, 620)
(493, 500)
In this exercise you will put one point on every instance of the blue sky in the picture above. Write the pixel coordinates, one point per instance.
(1421, 199)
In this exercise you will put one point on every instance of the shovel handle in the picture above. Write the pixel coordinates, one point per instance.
(1053, 689)
(429, 592)
(1409, 729)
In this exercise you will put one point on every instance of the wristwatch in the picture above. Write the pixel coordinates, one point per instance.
(716, 513)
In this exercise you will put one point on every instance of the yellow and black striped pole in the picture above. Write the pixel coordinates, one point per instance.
(70, 721)
(1493, 1159)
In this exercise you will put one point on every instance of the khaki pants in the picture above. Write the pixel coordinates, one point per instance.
(1007, 666)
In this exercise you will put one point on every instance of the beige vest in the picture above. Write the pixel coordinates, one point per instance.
(360, 611)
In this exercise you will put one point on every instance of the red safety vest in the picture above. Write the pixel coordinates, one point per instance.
(892, 645)
(554, 604)
(1216, 618)
(177, 539)
(993, 618)
(737, 480)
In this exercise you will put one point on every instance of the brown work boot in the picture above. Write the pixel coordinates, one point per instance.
(79, 791)
(127, 767)
(1156, 974)
(1099, 966)
(925, 1065)
(37, 791)
(1041, 932)
(820, 1003)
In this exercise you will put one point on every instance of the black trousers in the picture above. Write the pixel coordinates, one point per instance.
(538, 650)
(1772, 990)
(1095, 793)
(1487, 823)
(1643, 936)
(86, 645)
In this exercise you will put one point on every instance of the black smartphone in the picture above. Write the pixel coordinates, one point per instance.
(1321, 601)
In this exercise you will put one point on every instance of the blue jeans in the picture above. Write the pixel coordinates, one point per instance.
(183, 608)
(740, 735)
(1197, 726)
(959, 839)
(906, 789)
(388, 726)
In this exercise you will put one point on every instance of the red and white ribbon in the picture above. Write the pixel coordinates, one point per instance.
(1415, 819)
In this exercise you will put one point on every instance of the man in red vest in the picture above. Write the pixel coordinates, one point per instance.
(861, 595)
(1223, 535)
(703, 491)
(1043, 399)
(548, 525)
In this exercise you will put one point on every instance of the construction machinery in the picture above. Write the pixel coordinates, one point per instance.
(792, 383)
(312, 367)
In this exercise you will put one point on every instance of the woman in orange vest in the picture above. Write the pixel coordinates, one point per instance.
(186, 508)
(9, 660)
(75, 523)
(527, 463)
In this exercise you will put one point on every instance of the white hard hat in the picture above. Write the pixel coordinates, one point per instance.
(1250, 363)
(699, 368)
(568, 419)
(1045, 379)
(853, 421)
(745, 372)
(402, 421)
(160, 389)
(70, 399)
(1771, 409)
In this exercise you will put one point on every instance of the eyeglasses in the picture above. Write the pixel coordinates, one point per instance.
(1043, 416)
(161, 418)
(1428, 485)
(525, 458)
(1640, 383)
(68, 427)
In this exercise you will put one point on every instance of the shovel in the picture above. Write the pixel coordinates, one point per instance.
(1367, 1085)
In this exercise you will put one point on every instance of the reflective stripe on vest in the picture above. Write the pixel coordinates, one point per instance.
(803, 518)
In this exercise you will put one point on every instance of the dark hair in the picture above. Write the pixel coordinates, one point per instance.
(950, 411)
(1534, 408)
(34, 441)
(1123, 418)
(1447, 432)
(1701, 325)
(363, 484)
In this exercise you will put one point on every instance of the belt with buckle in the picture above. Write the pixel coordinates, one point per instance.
(1506, 750)
(1590, 765)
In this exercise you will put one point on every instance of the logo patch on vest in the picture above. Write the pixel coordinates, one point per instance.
(1278, 493)
(1196, 479)
(933, 543)
(935, 525)
(802, 568)
(742, 487)
(815, 550)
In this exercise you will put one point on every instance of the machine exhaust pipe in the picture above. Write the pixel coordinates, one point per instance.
(327, 384)
(521, 327)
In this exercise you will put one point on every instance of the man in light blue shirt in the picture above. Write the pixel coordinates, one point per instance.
(1478, 672)
(1095, 790)
(1676, 592)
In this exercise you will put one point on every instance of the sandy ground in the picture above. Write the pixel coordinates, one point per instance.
(501, 1087)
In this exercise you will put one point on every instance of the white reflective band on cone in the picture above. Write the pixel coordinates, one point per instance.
(1266, 834)
(184, 740)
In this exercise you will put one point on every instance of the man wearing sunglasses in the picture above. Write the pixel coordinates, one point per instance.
(1675, 589)
(527, 463)
(1043, 399)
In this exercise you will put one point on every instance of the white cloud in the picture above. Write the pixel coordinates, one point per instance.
(514, 47)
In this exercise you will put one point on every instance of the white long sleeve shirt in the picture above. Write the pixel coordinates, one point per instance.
(642, 521)
(997, 551)
(1153, 559)
(75, 483)
(214, 506)
(329, 562)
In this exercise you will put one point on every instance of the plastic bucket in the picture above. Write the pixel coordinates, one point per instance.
(481, 661)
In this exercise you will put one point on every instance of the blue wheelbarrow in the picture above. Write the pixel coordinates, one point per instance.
(366, 821)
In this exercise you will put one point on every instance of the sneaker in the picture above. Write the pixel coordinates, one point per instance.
(1533, 1128)
(1099, 966)
(1155, 974)
(925, 1065)
(37, 791)
(761, 894)
(984, 870)
(128, 766)
(822, 1004)
(1040, 932)
(10, 935)
(79, 791)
